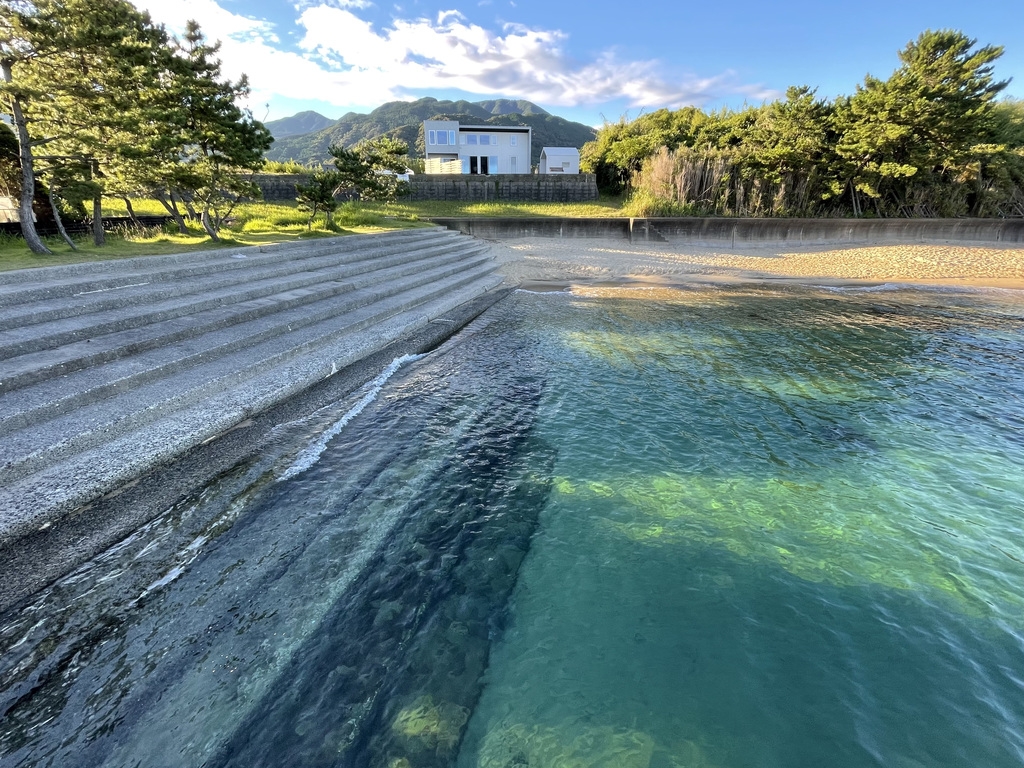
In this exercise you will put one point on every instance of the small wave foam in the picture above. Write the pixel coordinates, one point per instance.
(920, 287)
(311, 455)
(884, 287)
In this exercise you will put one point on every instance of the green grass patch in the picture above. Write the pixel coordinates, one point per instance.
(260, 223)
(257, 223)
(114, 207)
(424, 209)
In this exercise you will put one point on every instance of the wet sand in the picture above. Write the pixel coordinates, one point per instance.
(548, 262)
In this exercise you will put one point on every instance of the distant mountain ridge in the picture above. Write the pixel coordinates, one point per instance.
(404, 120)
(303, 122)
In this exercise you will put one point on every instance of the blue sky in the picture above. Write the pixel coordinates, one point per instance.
(584, 61)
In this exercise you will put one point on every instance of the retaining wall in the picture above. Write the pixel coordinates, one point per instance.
(512, 187)
(747, 231)
(523, 187)
(279, 186)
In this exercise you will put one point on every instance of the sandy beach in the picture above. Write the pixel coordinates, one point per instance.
(539, 261)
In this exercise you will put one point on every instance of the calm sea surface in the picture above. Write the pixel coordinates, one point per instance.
(704, 527)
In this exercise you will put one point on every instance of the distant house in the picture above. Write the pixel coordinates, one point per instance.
(9, 212)
(559, 160)
(476, 149)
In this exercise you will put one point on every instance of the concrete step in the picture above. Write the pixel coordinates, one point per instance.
(91, 278)
(110, 368)
(139, 311)
(120, 290)
(173, 323)
(35, 446)
(57, 395)
(75, 480)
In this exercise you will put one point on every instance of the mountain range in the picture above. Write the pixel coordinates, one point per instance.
(306, 137)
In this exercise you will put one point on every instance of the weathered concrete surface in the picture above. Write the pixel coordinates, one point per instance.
(40, 556)
(737, 232)
(501, 228)
(109, 370)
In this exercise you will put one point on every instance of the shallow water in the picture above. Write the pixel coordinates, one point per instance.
(716, 526)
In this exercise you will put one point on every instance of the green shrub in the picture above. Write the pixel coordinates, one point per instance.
(645, 204)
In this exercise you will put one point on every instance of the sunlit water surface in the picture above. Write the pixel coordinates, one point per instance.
(715, 526)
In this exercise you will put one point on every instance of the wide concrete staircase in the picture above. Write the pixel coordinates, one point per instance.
(110, 368)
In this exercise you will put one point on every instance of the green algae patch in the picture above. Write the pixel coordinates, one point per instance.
(570, 745)
(433, 726)
(537, 746)
(837, 532)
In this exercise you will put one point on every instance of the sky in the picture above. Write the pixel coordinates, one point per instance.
(590, 62)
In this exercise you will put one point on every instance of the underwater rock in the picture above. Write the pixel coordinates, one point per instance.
(427, 725)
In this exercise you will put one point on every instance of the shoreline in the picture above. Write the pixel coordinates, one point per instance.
(548, 262)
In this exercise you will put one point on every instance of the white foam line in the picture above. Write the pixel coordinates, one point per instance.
(311, 455)
(560, 292)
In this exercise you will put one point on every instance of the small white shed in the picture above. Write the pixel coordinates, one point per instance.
(559, 160)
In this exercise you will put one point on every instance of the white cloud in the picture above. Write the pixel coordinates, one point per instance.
(451, 53)
(344, 60)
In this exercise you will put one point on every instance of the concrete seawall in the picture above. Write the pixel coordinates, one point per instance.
(522, 187)
(738, 232)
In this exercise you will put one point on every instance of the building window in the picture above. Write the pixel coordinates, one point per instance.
(513, 141)
(442, 137)
(462, 139)
(566, 163)
(431, 137)
(493, 164)
(512, 161)
(471, 139)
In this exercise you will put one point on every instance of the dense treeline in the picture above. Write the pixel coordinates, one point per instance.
(932, 140)
(104, 102)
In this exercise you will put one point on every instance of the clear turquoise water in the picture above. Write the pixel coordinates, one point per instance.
(785, 530)
(712, 526)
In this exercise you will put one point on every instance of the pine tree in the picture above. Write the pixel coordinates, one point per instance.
(72, 70)
(216, 141)
(919, 128)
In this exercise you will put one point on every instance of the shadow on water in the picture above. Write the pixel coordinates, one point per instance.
(394, 670)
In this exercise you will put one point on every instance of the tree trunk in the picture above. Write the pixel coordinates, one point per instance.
(173, 210)
(98, 235)
(60, 224)
(208, 225)
(28, 181)
(189, 208)
(131, 212)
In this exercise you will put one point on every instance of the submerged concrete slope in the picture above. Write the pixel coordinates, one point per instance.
(108, 369)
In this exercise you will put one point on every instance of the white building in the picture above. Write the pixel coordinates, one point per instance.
(559, 160)
(476, 149)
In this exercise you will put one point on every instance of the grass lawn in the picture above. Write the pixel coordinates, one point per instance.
(424, 209)
(252, 224)
(259, 223)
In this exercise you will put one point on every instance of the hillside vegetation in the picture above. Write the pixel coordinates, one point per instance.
(932, 140)
(404, 120)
